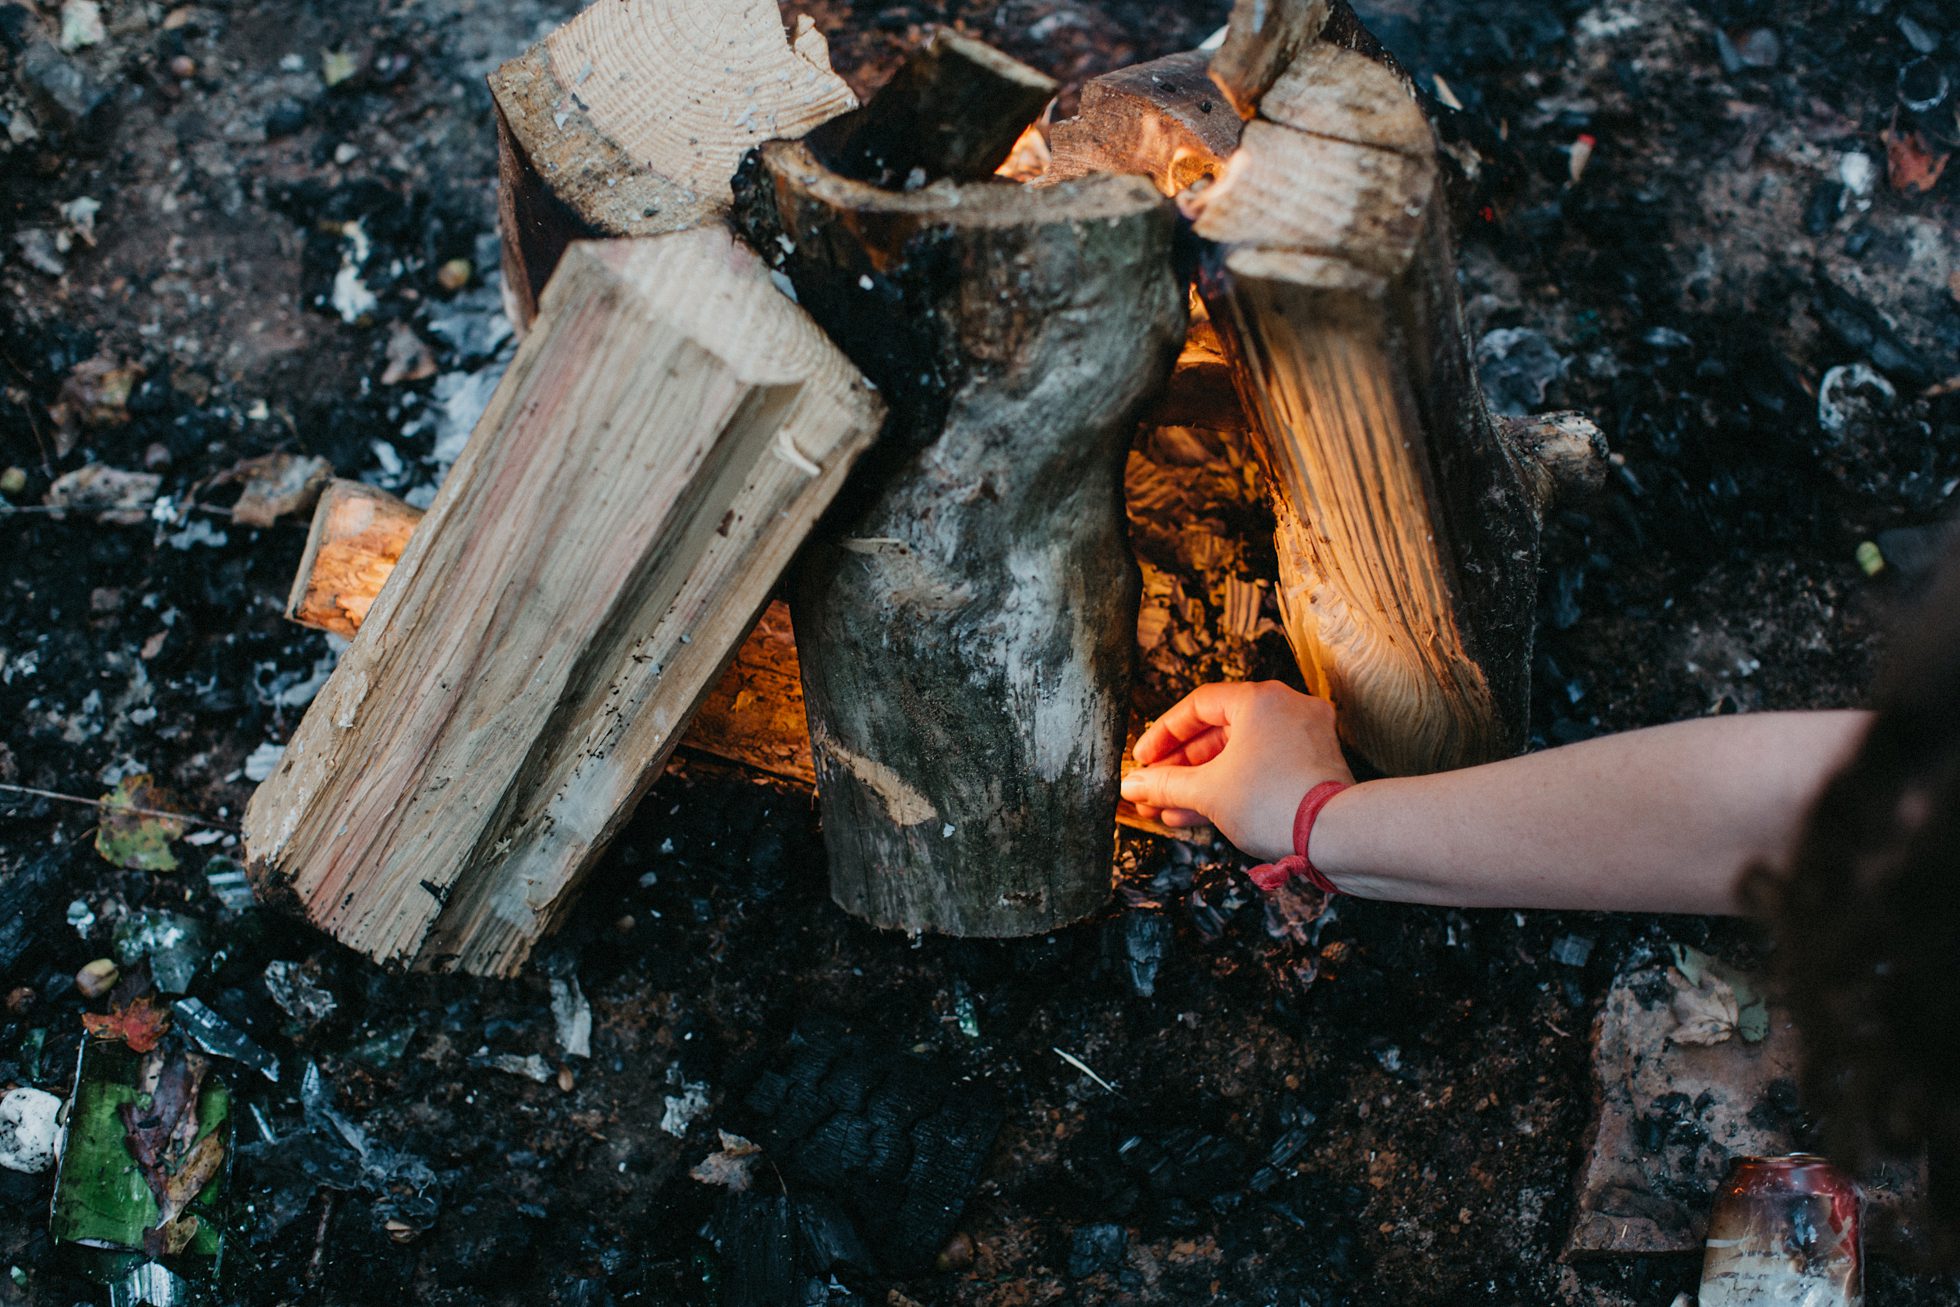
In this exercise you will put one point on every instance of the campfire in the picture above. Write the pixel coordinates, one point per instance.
(895, 356)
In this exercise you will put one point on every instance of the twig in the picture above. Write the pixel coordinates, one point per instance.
(1084, 1068)
(103, 803)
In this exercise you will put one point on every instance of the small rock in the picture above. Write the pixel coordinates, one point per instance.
(81, 24)
(13, 481)
(1094, 1249)
(286, 118)
(30, 1133)
(1572, 950)
(97, 978)
(957, 1255)
(454, 275)
(61, 88)
(183, 67)
(38, 251)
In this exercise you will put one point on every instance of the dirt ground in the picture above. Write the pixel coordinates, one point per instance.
(1737, 232)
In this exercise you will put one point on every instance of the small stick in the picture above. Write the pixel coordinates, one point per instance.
(100, 803)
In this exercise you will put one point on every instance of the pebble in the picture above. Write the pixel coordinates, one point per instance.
(30, 1134)
(97, 978)
(287, 118)
(183, 67)
(13, 481)
(454, 275)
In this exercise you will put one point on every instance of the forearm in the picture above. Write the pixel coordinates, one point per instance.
(1659, 820)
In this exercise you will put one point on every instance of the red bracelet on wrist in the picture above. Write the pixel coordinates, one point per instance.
(1270, 876)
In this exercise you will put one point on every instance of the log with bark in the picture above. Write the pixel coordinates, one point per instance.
(1408, 517)
(662, 442)
(966, 617)
(630, 119)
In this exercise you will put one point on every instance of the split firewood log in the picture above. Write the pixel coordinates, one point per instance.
(1408, 517)
(663, 440)
(630, 119)
(966, 618)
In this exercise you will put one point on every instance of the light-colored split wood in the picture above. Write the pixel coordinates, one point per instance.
(630, 119)
(660, 445)
(1261, 40)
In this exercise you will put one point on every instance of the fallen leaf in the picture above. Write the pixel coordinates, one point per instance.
(140, 1025)
(131, 834)
(730, 1168)
(1910, 164)
(123, 498)
(275, 485)
(1705, 1013)
(409, 358)
(182, 1185)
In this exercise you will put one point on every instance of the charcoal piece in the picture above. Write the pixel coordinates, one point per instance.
(1862, 329)
(779, 1251)
(897, 1139)
(30, 907)
(1144, 939)
(1095, 1249)
(1185, 1162)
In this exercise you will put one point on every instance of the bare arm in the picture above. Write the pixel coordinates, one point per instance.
(1658, 820)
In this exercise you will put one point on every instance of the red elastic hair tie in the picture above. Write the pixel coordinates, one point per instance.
(1270, 876)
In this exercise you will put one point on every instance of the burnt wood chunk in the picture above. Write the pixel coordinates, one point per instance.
(954, 109)
(1164, 120)
(897, 1138)
(966, 618)
(658, 449)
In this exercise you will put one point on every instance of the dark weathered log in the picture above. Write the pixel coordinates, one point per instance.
(954, 109)
(965, 620)
(1263, 38)
(630, 119)
(659, 447)
(1408, 522)
(1164, 120)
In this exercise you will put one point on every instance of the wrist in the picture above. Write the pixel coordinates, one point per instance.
(1339, 846)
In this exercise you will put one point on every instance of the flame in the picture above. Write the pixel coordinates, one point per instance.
(1029, 158)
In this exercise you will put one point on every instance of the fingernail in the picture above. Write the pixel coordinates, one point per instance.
(1131, 785)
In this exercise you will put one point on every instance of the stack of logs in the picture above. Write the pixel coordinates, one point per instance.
(763, 325)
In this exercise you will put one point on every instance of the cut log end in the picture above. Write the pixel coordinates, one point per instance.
(1164, 120)
(630, 119)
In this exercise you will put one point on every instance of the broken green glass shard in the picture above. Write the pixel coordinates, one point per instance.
(141, 1126)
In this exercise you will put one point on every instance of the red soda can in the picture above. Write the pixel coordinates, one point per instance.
(1784, 1231)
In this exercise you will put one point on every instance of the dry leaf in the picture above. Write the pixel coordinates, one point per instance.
(731, 1167)
(131, 834)
(1705, 1014)
(275, 485)
(140, 1025)
(123, 498)
(1910, 164)
(182, 1186)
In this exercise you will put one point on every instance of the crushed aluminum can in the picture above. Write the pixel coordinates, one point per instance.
(1785, 1232)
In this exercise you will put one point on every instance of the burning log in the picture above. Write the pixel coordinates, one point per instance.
(576, 587)
(1164, 120)
(965, 620)
(1408, 521)
(630, 119)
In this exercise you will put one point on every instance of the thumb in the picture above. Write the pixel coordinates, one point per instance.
(1169, 787)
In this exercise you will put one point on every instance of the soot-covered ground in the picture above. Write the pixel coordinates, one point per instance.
(1746, 284)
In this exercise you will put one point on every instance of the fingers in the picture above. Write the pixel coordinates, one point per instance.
(1196, 752)
(1167, 787)
(1182, 817)
(1204, 708)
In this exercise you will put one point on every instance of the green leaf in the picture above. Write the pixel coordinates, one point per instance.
(130, 834)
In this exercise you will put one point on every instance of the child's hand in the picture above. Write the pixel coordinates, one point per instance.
(1240, 756)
